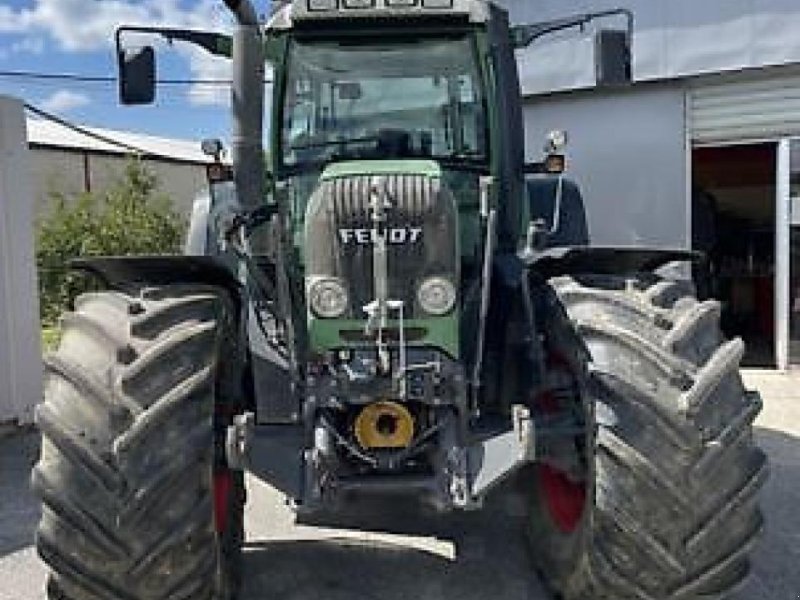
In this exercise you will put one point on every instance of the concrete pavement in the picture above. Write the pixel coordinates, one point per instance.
(462, 557)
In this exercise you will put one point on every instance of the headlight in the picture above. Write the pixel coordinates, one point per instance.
(436, 296)
(328, 298)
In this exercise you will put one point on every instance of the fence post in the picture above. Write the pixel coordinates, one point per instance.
(20, 336)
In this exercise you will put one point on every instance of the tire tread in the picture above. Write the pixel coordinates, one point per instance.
(128, 448)
(677, 515)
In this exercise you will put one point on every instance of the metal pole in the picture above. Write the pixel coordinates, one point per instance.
(782, 254)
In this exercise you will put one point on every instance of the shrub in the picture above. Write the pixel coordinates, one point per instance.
(131, 218)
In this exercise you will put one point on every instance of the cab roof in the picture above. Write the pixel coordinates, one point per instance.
(307, 12)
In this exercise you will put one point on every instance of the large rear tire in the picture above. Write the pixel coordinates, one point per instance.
(672, 474)
(137, 501)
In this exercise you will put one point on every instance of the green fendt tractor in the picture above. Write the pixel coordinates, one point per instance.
(392, 302)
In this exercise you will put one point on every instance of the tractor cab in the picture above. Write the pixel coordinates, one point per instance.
(392, 80)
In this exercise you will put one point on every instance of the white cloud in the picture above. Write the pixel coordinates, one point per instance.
(11, 20)
(64, 101)
(89, 25)
(28, 45)
(207, 67)
(80, 25)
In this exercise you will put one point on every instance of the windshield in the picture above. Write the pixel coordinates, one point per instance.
(397, 99)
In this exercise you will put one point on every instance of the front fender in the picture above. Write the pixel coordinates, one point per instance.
(603, 260)
(127, 273)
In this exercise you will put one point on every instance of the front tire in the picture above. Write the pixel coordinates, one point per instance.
(672, 475)
(130, 465)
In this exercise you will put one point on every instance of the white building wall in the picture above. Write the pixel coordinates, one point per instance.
(20, 352)
(673, 38)
(627, 151)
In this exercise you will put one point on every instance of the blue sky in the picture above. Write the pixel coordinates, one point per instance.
(75, 36)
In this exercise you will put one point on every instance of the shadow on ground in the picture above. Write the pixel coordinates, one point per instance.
(490, 558)
(472, 556)
(19, 510)
(343, 569)
(430, 556)
(775, 573)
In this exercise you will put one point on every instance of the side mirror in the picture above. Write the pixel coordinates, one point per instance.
(612, 57)
(213, 148)
(137, 75)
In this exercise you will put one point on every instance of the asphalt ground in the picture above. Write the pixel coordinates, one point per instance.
(428, 557)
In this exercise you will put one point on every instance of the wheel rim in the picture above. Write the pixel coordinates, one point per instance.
(565, 499)
(564, 496)
(223, 485)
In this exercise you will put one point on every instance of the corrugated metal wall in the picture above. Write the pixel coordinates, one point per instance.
(68, 172)
(764, 108)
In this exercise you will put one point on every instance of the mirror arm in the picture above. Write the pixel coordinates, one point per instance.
(523, 36)
(214, 43)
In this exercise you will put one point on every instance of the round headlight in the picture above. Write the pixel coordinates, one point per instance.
(436, 296)
(328, 298)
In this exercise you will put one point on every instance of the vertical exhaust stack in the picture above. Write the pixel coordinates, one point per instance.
(247, 103)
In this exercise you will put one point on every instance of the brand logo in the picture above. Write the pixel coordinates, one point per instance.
(394, 235)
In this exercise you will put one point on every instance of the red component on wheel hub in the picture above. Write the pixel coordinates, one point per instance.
(565, 499)
(223, 485)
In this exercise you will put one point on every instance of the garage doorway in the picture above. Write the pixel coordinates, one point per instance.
(733, 222)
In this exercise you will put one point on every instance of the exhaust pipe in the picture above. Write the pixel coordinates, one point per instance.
(244, 11)
(247, 103)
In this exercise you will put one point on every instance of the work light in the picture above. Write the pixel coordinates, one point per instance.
(359, 3)
(436, 296)
(320, 5)
(328, 298)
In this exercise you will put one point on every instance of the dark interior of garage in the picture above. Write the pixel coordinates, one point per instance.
(733, 223)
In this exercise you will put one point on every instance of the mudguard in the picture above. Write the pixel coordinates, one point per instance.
(130, 272)
(270, 373)
(603, 260)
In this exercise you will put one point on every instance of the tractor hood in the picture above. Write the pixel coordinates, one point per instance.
(381, 231)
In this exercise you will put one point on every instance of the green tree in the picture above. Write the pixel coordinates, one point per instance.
(131, 218)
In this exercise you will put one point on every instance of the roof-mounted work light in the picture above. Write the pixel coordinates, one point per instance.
(332, 5)
(321, 5)
(359, 4)
(476, 11)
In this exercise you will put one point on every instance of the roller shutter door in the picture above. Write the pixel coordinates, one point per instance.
(766, 108)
